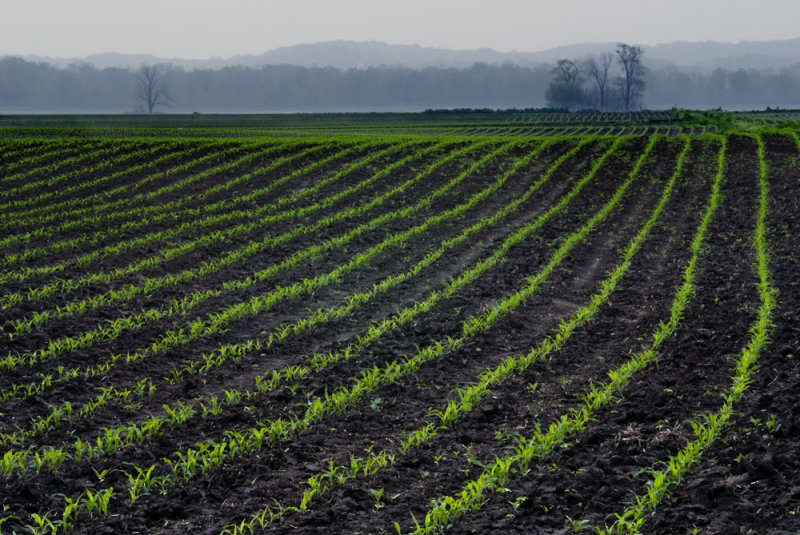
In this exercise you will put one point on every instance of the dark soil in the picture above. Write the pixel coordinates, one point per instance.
(747, 482)
(750, 480)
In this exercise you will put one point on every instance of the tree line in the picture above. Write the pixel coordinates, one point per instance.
(593, 83)
(590, 83)
(33, 87)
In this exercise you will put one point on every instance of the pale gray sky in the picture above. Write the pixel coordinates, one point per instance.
(222, 28)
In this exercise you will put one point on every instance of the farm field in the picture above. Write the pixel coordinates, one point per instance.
(473, 329)
(476, 122)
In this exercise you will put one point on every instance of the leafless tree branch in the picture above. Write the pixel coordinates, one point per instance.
(149, 88)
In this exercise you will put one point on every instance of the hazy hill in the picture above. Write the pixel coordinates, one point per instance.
(351, 54)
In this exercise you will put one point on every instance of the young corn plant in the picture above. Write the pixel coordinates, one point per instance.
(710, 425)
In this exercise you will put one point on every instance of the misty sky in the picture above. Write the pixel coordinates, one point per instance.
(223, 28)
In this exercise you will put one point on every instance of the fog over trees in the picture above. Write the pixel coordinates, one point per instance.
(591, 80)
(150, 90)
(584, 84)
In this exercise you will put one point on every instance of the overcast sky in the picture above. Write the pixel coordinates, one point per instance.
(223, 28)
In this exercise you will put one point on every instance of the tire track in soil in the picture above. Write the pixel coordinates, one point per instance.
(482, 424)
(750, 479)
(389, 306)
(473, 298)
(514, 408)
(643, 298)
(383, 351)
(360, 280)
(481, 350)
(336, 335)
(455, 260)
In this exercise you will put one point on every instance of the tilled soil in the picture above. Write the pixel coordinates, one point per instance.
(746, 482)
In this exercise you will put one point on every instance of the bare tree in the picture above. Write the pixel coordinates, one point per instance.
(598, 71)
(150, 91)
(632, 83)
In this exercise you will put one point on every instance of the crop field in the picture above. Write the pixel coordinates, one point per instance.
(462, 333)
(433, 123)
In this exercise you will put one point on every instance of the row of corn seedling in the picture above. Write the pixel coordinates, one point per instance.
(211, 454)
(495, 477)
(75, 217)
(29, 180)
(68, 152)
(708, 427)
(465, 399)
(52, 246)
(235, 351)
(77, 308)
(165, 255)
(162, 235)
(22, 208)
(21, 391)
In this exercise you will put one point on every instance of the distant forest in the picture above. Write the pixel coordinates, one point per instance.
(27, 87)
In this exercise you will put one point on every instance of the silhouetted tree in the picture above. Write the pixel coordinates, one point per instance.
(149, 89)
(566, 89)
(43, 88)
(598, 72)
(632, 80)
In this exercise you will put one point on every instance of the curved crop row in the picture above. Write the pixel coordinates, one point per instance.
(81, 215)
(48, 230)
(77, 185)
(23, 181)
(496, 476)
(168, 234)
(15, 152)
(466, 398)
(167, 254)
(77, 308)
(130, 321)
(180, 336)
(209, 455)
(235, 351)
(708, 427)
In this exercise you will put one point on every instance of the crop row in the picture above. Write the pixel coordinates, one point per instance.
(313, 413)
(216, 358)
(134, 373)
(467, 398)
(171, 338)
(168, 234)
